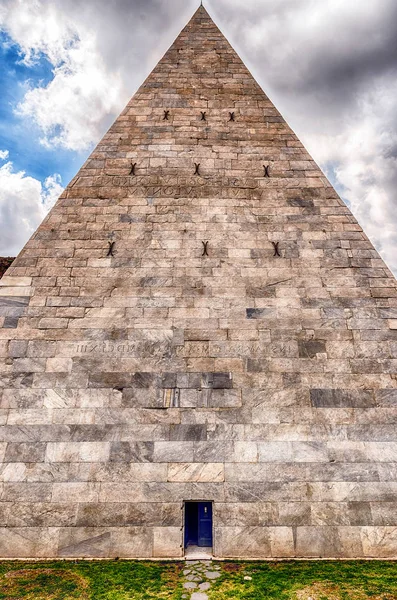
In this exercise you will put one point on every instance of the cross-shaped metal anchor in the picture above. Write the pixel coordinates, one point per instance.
(276, 250)
(197, 166)
(231, 116)
(166, 115)
(205, 249)
(133, 165)
(111, 248)
(203, 116)
(267, 172)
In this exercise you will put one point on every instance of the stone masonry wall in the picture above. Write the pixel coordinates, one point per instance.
(221, 332)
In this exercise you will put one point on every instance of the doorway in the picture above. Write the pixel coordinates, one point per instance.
(198, 527)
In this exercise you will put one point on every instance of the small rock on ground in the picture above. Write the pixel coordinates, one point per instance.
(204, 586)
(190, 585)
(212, 574)
(198, 596)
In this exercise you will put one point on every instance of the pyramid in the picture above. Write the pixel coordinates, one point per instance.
(199, 344)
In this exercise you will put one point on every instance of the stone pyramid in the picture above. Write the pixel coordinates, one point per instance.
(199, 319)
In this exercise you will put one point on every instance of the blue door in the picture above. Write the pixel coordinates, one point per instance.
(205, 524)
(198, 524)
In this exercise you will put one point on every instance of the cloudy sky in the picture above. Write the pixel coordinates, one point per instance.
(68, 67)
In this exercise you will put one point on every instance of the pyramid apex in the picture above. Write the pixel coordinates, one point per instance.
(201, 11)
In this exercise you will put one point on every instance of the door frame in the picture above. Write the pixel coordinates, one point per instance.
(184, 521)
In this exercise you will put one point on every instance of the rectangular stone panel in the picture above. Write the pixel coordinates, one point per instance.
(25, 452)
(38, 514)
(14, 302)
(196, 472)
(167, 542)
(9, 281)
(204, 380)
(131, 542)
(338, 398)
(28, 542)
(128, 514)
(78, 451)
(260, 313)
(329, 542)
(76, 492)
(193, 433)
(386, 397)
(131, 452)
(254, 542)
(310, 348)
(173, 452)
(10, 322)
(84, 542)
(26, 492)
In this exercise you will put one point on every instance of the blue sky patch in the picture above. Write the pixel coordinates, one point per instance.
(19, 135)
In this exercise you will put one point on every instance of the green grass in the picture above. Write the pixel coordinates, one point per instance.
(352, 580)
(133, 580)
(99, 580)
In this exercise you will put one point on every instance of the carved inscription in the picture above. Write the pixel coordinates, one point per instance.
(189, 192)
(106, 348)
(172, 180)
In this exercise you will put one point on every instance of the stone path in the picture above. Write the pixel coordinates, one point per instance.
(198, 575)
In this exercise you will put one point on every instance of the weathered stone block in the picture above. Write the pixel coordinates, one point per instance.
(260, 313)
(173, 452)
(334, 398)
(40, 514)
(140, 452)
(76, 492)
(9, 281)
(238, 542)
(196, 472)
(379, 542)
(167, 542)
(25, 452)
(386, 397)
(78, 451)
(26, 492)
(132, 542)
(318, 542)
(194, 433)
(311, 348)
(25, 542)
(84, 542)
(17, 348)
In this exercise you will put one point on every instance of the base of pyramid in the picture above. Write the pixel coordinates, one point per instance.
(229, 543)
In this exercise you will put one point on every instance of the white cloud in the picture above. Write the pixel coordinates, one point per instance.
(24, 202)
(4, 154)
(72, 108)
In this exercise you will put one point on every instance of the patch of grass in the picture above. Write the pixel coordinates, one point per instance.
(133, 580)
(307, 580)
(102, 580)
(30, 583)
